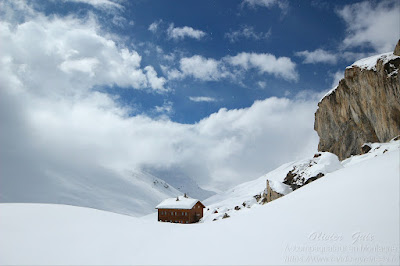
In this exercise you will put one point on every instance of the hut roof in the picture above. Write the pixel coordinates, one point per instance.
(182, 203)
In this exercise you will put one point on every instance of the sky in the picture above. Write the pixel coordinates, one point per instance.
(220, 92)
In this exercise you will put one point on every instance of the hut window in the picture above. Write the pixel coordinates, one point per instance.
(175, 213)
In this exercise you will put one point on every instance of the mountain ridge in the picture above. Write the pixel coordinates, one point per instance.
(364, 107)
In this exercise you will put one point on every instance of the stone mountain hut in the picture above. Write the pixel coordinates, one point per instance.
(181, 209)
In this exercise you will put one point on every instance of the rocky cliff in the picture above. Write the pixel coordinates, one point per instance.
(364, 107)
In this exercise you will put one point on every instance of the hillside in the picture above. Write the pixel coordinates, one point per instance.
(130, 192)
(249, 194)
(350, 216)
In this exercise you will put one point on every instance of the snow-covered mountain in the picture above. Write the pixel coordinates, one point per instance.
(349, 216)
(130, 192)
(183, 183)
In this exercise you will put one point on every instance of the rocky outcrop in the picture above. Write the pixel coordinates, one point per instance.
(397, 49)
(270, 194)
(308, 170)
(364, 107)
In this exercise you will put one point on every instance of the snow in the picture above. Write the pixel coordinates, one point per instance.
(280, 187)
(132, 192)
(349, 216)
(376, 150)
(173, 203)
(329, 92)
(243, 195)
(369, 63)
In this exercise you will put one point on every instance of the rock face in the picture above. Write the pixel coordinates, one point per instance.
(270, 194)
(364, 107)
(397, 49)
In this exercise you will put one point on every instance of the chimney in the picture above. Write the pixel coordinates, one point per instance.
(177, 198)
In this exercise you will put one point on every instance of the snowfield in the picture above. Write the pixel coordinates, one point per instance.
(349, 216)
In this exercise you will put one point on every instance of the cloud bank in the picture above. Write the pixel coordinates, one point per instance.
(375, 25)
(209, 69)
(57, 125)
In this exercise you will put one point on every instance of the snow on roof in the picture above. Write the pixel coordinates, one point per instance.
(182, 203)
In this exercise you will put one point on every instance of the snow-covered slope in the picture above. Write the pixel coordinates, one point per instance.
(131, 192)
(350, 216)
(245, 195)
(179, 180)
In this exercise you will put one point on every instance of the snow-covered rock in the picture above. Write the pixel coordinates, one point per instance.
(275, 190)
(370, 63)
(308, 170)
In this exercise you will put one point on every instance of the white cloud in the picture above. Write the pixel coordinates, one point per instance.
(247, 32)
(199, 67)
(209, 69)
(153, 27)
(180, 33)
(262, 84)
(266, 3)
(375, 25)
(156, 83)
(73, 53)
(265, 63)
(165, 109)
(101, 4)
(317, 56)
(85, 65)
(76, 135)
(121, 21)
(202, 99)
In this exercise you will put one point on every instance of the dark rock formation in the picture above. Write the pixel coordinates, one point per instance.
(295, 180)
(365, 107)
(365, 148)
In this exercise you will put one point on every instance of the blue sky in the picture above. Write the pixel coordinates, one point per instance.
(279, 28)
(218, 92)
